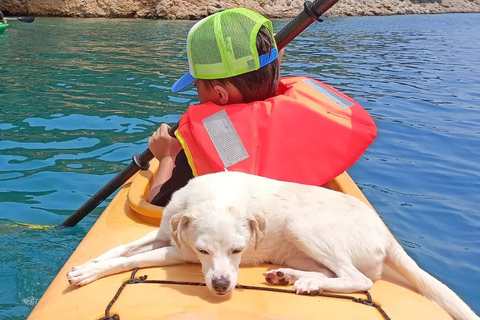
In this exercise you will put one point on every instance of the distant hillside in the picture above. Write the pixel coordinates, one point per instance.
(195, 9)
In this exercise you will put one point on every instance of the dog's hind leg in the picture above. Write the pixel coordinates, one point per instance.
(323, 239)
(348, 279)
(284, 276)
(299, 266)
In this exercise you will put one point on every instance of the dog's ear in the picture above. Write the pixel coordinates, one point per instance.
(178, 223)
(258, 225)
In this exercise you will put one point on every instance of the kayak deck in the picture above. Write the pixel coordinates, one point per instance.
(129, 217)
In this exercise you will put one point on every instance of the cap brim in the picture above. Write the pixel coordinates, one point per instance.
(186, 80)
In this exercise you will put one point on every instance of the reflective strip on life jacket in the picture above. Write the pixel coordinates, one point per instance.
(225, 138)
(309, 133)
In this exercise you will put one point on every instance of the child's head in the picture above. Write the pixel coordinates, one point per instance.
(232, 52)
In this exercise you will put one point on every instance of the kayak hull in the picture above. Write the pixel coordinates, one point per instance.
(128, 217)
(3, 27)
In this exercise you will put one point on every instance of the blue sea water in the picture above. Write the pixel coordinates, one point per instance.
(78, 97)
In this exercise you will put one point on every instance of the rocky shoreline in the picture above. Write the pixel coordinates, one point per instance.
(196, 9)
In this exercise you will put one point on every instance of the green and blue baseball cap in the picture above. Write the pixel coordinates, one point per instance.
(223, 45)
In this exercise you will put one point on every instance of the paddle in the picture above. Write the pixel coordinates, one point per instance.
(28, 19)
(311, 13)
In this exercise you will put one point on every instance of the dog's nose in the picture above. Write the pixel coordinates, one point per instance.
(220, 285)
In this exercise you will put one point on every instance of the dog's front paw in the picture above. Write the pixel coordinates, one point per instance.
(307, 286)
(281, 276)
(84, 274)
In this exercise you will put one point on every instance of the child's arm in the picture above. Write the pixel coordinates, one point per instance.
(165, 149)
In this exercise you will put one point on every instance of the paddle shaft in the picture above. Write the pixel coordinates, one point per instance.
(140, 161)
(311, 13)
(28, 19)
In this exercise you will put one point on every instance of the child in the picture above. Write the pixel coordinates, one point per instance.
(297, 129)
(246, 84)
(2, 18)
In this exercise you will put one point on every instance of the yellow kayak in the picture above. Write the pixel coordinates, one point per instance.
(178, 292)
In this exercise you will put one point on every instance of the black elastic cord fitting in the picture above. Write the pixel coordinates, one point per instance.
(138, 162)
(307, 7)
(365, 302)
(114, 317)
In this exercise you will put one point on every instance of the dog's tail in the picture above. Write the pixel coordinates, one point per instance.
(427, 285)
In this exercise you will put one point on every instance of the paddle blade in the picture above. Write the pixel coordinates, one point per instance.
(28, 19)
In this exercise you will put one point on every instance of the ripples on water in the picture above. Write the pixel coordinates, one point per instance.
(80, 96)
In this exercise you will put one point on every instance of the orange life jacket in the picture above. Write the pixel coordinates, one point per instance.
(309, 133)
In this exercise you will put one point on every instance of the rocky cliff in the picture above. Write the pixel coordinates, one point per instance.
(195, 9)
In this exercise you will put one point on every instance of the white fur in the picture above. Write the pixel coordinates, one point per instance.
(326, 240)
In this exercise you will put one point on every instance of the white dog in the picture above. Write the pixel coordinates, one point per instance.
(328, 240)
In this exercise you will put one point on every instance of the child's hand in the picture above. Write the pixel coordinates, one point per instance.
(162, 145)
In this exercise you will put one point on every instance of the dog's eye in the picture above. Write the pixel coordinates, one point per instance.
(237, 250)
(202, 251)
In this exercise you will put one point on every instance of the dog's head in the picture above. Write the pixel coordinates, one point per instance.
(219, 236)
